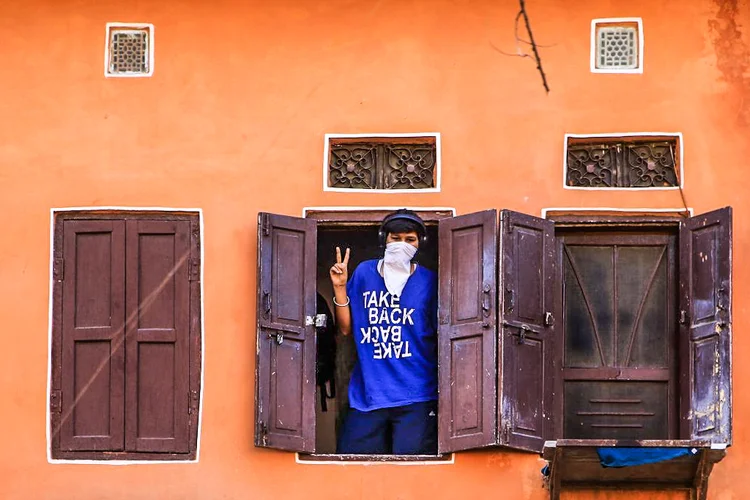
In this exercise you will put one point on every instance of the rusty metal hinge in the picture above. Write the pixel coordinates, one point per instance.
(55, 401)
(58, 269)
(683, 316)
(549, 319)
(194, 270)
(192, 402)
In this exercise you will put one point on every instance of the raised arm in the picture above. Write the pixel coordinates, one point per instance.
(339, 275)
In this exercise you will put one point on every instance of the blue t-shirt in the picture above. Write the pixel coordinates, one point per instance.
(396, 339)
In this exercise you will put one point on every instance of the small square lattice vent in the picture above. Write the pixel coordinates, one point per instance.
(129, 50)
(616, 46)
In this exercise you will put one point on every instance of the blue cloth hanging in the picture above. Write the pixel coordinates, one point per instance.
(625, 457)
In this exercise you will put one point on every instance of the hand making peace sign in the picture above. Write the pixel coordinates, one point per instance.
(339, 272)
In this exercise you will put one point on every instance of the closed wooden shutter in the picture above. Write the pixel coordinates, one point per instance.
(285, 362)
(467, 330)
(706, 326)
(93, 355)
(527, 375)
(158, 323)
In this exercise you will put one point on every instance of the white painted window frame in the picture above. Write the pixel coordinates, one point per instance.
(94, 210)
(136, 26)
(438, 162)
(680, 166)
(617, 20)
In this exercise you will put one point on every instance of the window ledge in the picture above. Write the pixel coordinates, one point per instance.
(318, 458)
(119, 456)
(574, 463)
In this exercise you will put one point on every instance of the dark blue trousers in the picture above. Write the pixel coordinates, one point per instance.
(402, 430)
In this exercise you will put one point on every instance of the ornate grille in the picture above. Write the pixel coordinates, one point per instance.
(381, 165)
(636, 163)
(128, 51)
(617, 48)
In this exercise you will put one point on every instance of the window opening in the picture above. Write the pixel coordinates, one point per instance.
(622, 162)
(125, 353)
(362, 239)
(617, 46)
(382, 163)
(129, 50)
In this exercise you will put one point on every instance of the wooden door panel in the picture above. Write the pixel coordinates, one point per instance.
(619, 320)
(528, 370)
(285, 362)
(93, 357)
(706, 326)
(466, 332)
(158, 336)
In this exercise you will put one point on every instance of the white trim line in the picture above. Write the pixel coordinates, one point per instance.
(545, 211)
(350, 208)
(383, 462)
(150, 28)
(680, 167)
(641, 44)
(53, 211)
(438, 162)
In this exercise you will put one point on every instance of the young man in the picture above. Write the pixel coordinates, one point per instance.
(390, 305)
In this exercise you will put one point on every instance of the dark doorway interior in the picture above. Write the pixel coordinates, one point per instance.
(362, 240)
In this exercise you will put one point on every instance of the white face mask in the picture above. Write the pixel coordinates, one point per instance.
(396, 265)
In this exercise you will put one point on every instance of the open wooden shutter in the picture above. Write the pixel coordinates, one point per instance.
(706, 326)
(527, 283)
(157, 337)
(467, 367)
(93, 354)
(285, 363)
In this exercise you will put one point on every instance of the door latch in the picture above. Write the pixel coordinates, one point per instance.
(278, 338)
(319, 320)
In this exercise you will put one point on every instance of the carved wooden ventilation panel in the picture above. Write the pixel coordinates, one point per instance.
(129, 51)
(382, 163)
(622, 162)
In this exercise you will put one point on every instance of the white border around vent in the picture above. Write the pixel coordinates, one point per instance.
(680, 166)
(438, 163)
(617, 20)
(138, 26)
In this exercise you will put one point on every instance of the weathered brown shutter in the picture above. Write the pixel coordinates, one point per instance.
(157, 336)
(285, 363)
(467, 330)
(706, 326)
(93, 354)
(527, 284)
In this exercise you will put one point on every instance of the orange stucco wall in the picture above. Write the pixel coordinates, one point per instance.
(232, 121)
